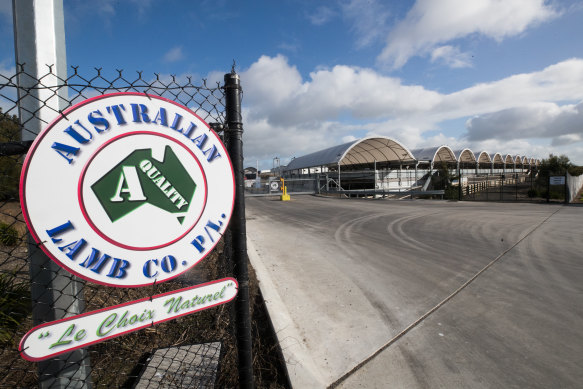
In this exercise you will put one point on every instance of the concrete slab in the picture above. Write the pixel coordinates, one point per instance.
(192, 366)
(341, 278)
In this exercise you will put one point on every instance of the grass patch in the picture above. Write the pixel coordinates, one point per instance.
(14, 306)
(8, 235)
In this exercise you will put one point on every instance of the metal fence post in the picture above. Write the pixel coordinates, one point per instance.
(39, 33)
(459, 184)
(567, 194)
(234, 138)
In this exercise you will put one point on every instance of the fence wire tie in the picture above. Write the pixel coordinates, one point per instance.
(40, 244)
(153, 289)
(63, 115)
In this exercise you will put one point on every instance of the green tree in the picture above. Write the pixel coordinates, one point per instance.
(555, 165)
(10, 166)
(9, 128)
(552, 166)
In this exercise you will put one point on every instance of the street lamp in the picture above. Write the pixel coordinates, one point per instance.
(276, 165)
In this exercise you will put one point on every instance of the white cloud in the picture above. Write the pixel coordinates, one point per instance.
(143, 6)
(451, 56)
(368, 19)
(175, 54)
(425, 27)
(537, 120)
(560, 82)
(292, 46)
(348, 138)
(270, 82)
(568, 139)
(321, 16)
(284, 98)
(287, 115)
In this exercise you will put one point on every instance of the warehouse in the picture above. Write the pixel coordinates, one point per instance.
(383, 163)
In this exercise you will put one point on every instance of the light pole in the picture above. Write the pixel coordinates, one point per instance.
(276, 165)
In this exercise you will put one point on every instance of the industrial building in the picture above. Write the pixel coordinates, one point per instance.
(384, 164)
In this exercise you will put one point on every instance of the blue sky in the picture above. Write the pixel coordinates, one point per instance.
(497, 75)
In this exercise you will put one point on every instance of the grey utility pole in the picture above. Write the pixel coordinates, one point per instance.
(41, 64)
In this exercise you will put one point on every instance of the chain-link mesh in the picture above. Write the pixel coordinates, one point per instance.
(180, 353)
(528, 187)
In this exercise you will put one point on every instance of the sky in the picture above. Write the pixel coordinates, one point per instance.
(496, 75)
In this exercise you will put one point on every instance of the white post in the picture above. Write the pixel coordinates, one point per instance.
(39, 43)
(375, 178)
(339, 183)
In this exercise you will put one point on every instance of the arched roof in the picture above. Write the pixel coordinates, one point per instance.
(483, 157)
(497, 158)
(362, 151)
(465, 155)
(379, 149)
(435, 154)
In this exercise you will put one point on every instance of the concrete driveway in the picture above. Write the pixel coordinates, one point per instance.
(422, 294)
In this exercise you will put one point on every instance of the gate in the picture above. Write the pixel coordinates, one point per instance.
(525, 187)
(273, 186)
(182, 352)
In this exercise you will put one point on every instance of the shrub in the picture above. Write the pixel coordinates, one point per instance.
(14, 305)
(576, 170)
(533, 193)
(451, 193)
(8, 235)
(556, 195)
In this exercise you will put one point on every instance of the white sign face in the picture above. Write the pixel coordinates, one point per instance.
(51, 339)
(557, 180)
(127, 189)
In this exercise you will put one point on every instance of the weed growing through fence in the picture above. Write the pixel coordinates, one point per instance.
(8, 235)
(14, 305)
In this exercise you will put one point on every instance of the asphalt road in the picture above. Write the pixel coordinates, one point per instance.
(422, 294)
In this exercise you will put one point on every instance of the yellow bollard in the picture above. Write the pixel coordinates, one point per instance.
(284, 196)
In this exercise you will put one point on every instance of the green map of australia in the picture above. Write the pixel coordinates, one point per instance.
(139, 179)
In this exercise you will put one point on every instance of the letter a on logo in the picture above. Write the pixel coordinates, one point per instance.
(139, 179)
(129, 175)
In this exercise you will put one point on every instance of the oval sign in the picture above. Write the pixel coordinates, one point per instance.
(51, 339)
(127, 189)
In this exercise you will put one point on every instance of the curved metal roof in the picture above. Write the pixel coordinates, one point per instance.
(382, 149)
(379, 149)
(483, 157)
(465, 155)
(435, 154)
(497, 158)
(362, 151)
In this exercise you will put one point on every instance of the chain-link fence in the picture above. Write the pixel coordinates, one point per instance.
(179, 353)
(529, 187)
(273, 186)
